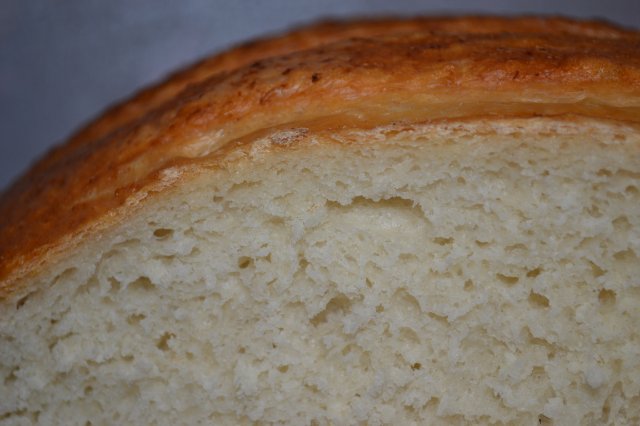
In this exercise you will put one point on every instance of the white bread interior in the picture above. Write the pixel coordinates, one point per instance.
(479, 272)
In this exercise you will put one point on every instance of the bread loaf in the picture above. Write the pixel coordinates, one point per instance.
(430, 221)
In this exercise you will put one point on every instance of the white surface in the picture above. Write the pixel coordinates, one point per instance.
(62, 63)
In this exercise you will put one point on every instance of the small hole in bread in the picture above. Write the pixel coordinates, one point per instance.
(507, 279)
(141, 284)
(163, 233)
(468, 285)
(135, 318)
(596, 270)
(338, 304)
(534, 272)
(163, 341)
(625, 256)
(443, 241)
(244, 262)
(544, 420)
(538, 300)
(22, 301)
(11, 377)
(607, 297)
(114, 285)
(514, 247)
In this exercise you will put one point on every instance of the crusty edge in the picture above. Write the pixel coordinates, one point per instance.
(359, 82)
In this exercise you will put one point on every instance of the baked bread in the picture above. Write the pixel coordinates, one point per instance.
(430, 221)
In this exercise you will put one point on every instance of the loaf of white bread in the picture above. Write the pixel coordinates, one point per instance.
(430, 221)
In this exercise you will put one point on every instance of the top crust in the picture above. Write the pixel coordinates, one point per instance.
(328, 76)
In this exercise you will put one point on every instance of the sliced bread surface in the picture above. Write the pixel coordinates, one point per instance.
(423, 227)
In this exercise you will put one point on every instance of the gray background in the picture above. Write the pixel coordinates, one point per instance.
(63, 62)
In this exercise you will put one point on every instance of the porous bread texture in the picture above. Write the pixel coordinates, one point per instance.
(451, 273)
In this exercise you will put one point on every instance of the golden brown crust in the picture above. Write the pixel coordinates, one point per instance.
(329, 76)
(324, 33)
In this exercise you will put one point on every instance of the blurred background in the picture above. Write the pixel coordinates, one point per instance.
(63, 62)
